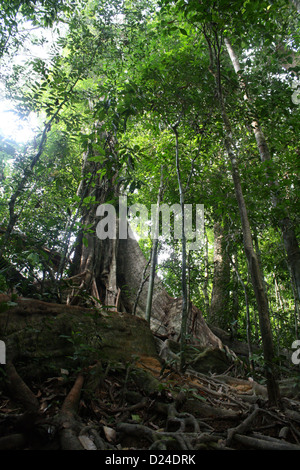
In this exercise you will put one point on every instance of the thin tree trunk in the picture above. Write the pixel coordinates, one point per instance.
(255, 272)
(184, 289)
(218, 315)
(206, 277)
(143, 282)
(288, 233)
(253, 262)
(154, 251)
(248, 321)
(235, 298)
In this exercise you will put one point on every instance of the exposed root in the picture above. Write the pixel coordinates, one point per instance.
(107, 409)
(68, 425)
(19, 390)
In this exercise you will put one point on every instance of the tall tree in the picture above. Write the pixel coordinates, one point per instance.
(218, 315)
(154, 249)
(284, 223)
(215, 46)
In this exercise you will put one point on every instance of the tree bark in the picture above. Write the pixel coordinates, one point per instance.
(220, 292)
(285, 224)
(96, 258)
(154, 251)
(206, 277)
(110, 272)
(253, 262)
(184, 289)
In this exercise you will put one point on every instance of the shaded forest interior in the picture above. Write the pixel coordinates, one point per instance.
(149, 255)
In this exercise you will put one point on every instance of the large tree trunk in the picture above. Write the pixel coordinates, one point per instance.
(110, 272)
(166, 310)
(95, 258)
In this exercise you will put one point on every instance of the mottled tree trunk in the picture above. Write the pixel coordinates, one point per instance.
(184, 286)
(109, 272)
(220, 293)
(206, 276)
(95, 260)
(166, 311)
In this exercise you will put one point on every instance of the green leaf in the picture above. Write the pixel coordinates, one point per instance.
(136, 418)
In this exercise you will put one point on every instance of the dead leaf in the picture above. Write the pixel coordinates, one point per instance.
(87, 443)
(110, 433)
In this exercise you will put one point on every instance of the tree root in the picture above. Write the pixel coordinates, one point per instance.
(163, 440)
(92, 417)
(264, 443)
(68, 425)
(24, 422)
(19, 390)
(244, 426)
(12, 442)
(73, 434)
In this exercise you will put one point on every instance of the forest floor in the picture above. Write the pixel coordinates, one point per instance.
(140, 406)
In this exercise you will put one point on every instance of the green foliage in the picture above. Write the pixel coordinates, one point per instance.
(129, 71)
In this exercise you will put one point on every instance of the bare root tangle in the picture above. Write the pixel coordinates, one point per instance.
(181, 438)
(257, 440)
(183, 421)
(163, 440)
(186, 420)
(108, 408)
(244, 426)
(178, 429)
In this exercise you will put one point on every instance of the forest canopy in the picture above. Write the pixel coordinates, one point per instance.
(181, 102)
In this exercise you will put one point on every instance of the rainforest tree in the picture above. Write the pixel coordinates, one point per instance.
(126, 89)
